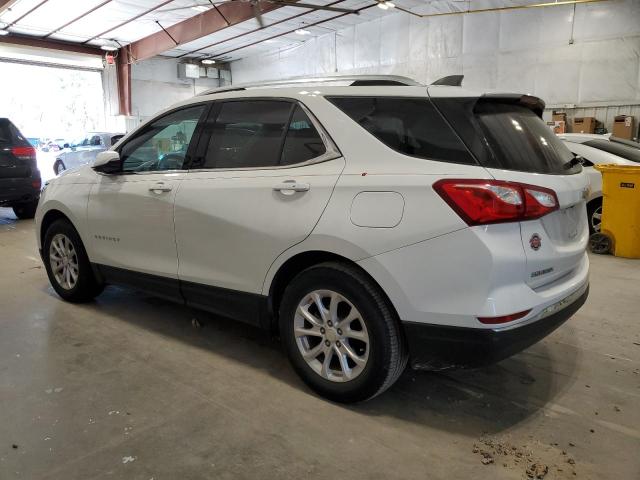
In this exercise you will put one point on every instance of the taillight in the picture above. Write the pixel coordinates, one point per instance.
(24, 153)
(479, 202)
(37, 184)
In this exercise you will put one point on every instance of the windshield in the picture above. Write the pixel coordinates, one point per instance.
(616, 147)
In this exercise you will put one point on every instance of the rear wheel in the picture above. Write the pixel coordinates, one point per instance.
(25, 211)
(340, 333)
(67, 264)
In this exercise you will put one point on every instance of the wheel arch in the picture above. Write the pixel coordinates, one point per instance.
(301, 261)
(50, 217)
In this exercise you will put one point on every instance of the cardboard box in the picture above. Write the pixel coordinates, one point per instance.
(624, 127)
(559, 117)
(558, 126)
(584, 124)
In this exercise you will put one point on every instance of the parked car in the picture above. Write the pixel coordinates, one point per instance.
(369, 225)
(84, 150)
(19, 175)
(600, 150)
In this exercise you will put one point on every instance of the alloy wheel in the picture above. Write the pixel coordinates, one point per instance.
(63, 260)
(331, 335)
(596, 219)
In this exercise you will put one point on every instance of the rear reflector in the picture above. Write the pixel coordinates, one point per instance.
(504, 318)
(480, 202)
(24, 153)
(37, 184)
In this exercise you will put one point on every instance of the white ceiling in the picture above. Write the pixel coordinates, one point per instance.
(55, 13)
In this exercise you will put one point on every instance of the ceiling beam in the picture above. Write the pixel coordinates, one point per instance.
(28, 12)
(6, 5)
(193, 28)
(29, 41)
(111, 29)
(282, 34)
(249, 32)
(84, 14)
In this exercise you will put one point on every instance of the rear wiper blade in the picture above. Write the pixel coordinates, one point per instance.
(576, 160)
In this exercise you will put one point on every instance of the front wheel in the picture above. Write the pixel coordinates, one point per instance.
(67, 264)
(25, 211)
(340, 333)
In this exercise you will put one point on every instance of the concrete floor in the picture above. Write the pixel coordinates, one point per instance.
(127, 388)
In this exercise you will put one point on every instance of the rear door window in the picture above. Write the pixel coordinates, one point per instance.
(411, 126)
(302, 142)
(248, 134)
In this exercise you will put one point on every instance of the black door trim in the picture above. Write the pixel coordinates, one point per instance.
(246, 307)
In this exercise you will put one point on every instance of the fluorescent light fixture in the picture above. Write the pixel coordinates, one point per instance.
(208, 61)
(302, 31)
(4, 32)
(109, 48)
(383, 5)
(390, 4)
(200, 8)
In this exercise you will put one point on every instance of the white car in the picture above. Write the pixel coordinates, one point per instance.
(600, 150)
(84, 150)
(370, 223)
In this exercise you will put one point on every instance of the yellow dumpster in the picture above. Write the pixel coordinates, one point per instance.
(621, 208)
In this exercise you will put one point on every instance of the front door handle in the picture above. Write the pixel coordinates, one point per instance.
(289, 187)
(160, 187)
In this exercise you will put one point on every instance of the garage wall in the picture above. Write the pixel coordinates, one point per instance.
(155, 86)
(520, 50)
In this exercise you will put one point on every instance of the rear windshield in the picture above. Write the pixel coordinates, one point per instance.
(617, 148)
(9, 133)
(411, 126)
(520, 140)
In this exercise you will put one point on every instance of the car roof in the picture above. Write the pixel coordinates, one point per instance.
(583, 137)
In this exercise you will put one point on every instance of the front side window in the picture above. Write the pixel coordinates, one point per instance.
(411, 126)
(162, 145)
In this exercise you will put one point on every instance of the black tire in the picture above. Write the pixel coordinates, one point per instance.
(59, 167)
(25, 211)
(594, 207)
(387, 356)
(87, 286)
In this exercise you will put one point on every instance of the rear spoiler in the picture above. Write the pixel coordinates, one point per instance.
(535, 104)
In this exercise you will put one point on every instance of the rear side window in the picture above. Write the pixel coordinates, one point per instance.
(520, 140)
(9, 134)
(617, 148)
(411, 126)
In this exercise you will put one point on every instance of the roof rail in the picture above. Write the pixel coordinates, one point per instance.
(350, 80)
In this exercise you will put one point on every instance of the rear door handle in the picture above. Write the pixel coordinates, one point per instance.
(159, 187)
(291, 186)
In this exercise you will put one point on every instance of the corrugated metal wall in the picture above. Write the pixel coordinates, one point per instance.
(521, 50)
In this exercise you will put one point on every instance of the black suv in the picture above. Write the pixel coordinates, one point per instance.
(20, 181)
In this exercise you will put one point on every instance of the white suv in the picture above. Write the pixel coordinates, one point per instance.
(369, 223)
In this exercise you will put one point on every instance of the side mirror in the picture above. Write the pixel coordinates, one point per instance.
(107, 162)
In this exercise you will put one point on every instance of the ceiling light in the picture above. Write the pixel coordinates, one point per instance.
(200, 8)
(109, 48)
(4, 32)
(385, 5)
(302, 31)
(208, 61)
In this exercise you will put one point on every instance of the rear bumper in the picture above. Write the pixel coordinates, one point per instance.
(18, 190)
(440, 347)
